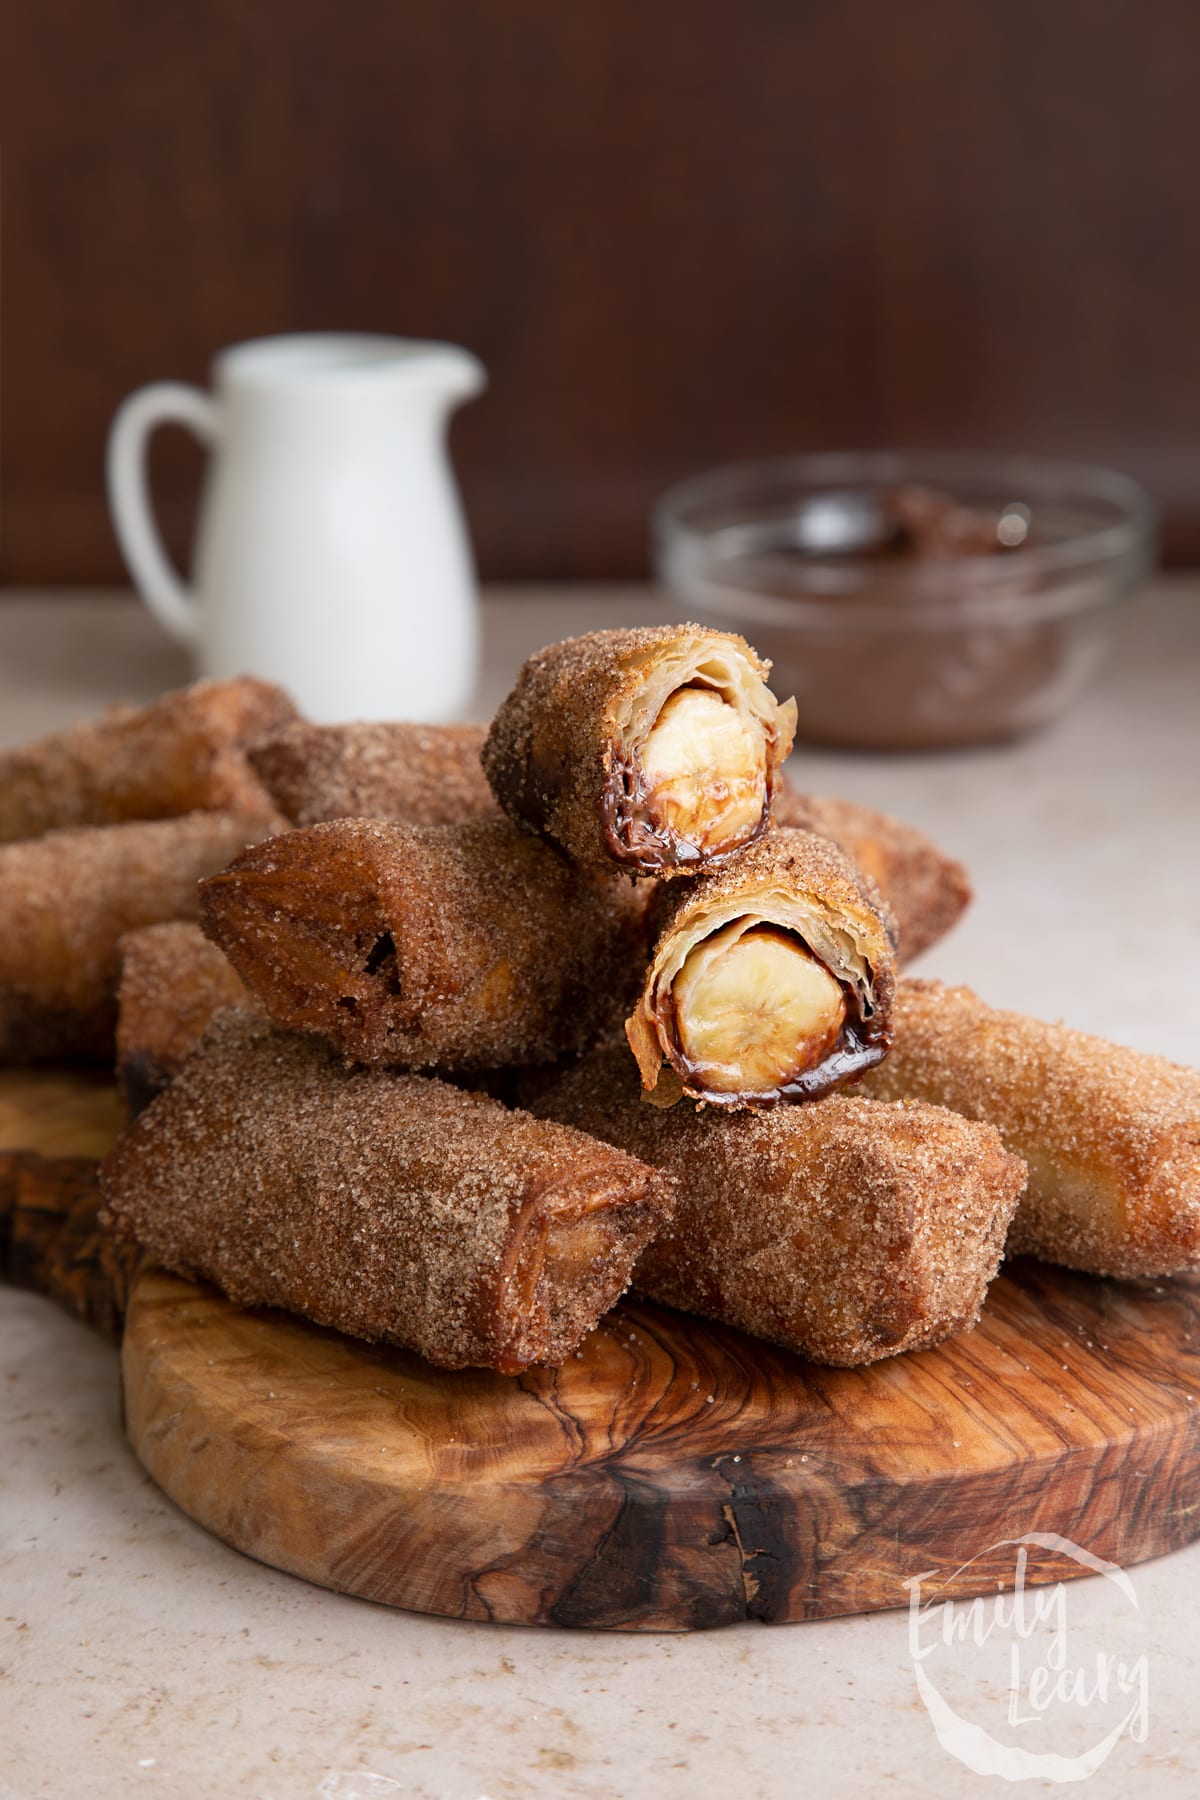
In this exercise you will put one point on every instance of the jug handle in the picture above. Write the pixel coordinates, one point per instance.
(164, 402)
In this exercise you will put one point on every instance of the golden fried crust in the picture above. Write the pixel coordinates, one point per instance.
(418, 774)
(765, 883)
(392, 1207)
(556, 758)
(66, 901)
(1111, 1136)
(184, 753)
(847, 1230)
(926, 890)
(444, 947)
(172, 982)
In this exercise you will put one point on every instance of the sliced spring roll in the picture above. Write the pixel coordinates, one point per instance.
(658, 750)
(393, 1207)
(430, 946)
(420, 774)
(184, 753)
(771, 978)
(847, 1230)
(67, 899)
(172, 982)
(926, 890)
(1111, 1136)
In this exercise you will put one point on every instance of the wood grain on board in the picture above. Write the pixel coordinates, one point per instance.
(674, 1474)
(677, 1474)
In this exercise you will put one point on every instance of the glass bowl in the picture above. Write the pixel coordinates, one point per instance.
(911, 600)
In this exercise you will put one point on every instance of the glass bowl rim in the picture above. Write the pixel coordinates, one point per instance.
(1001, 589)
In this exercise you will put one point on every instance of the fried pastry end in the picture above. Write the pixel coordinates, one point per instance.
(848, 1230)
(392, 1207)
(771, 978)
(658, 750)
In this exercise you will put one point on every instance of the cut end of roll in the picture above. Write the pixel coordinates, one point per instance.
(771, 980)
(701, 741)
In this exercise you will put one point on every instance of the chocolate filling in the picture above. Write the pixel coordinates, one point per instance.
(633, 836)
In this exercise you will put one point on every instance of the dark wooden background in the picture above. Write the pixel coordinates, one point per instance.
(677, 233)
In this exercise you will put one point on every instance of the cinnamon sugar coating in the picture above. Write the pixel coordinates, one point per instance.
(172, 982)
(926, 890)
(183, 753)
(392, 1207)
(431, 946)
(419, 774)
(803, 883)
(848, 1230)
(562, 757)
(1111, 1136)
(68, 898)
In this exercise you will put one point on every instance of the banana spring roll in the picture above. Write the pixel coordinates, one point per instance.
(184, 753)
(66, 901)
(430, 946)
(926, 890)
(1111, 1136)
(420, 774)
(172, 982)
(848, 1230)
(771, 979)
(393, 1207)
(658, 750)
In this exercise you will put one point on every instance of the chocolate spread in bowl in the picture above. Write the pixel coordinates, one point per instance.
(865, 684)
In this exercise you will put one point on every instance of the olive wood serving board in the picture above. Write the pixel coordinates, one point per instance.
(676, 1474)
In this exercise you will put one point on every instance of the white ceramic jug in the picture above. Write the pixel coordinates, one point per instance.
(331, 553)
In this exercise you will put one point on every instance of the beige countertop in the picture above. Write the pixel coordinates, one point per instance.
(137, 1654)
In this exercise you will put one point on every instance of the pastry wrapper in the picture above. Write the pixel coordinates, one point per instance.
(564, 751)
(442, 947)
(392, 1207)
(420, 774)
(184, 753)
(68, 898)
(848, 1230)
(172, 982)
(926, 891)
(803, 885)
(1111, 1136)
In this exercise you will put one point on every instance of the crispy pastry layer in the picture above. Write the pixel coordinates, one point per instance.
(66, 901)
(392, 1207)
(183, 753)
(419, 774)
(172, 982)
(771, 978)
(657, 749)
(926, 890)
(430, 946)
(1111, 1136)
(847, 1230)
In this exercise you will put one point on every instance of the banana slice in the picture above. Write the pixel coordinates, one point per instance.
(704, 764)
(754, 1008)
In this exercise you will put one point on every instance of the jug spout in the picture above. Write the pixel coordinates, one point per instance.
(453, 375)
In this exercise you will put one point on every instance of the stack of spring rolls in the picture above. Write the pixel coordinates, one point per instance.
(478, 1028)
